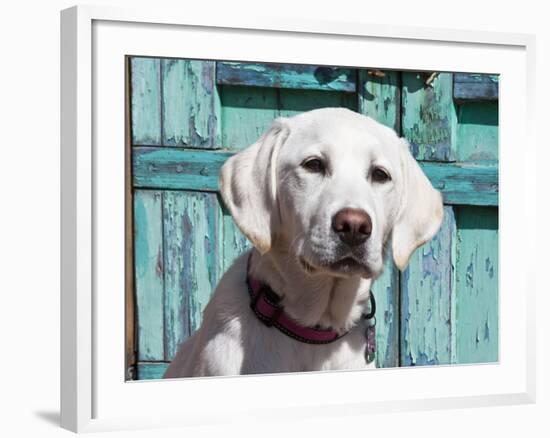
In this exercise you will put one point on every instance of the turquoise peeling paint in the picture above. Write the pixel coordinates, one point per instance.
(429, 116)
(190, 104)
(149, 274)
(146, 101)
(302, 77)
(427, 289)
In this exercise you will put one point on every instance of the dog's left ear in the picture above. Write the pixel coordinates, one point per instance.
(420, 213)
(248, 185)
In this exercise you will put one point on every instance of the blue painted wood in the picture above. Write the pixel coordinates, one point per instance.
(175, 168)
(192, 228)
(151, 370)
(477, 135)
(149, 274)
(386, 293)
(379, 97)
(177, 269)
(190, 104)
(429, 116)
(171, 168)
(247, 112)
(464, 183)
(428, 285)
(477, 285)
(292, 102)
(472, 87)
(303, 77)
(145, 101)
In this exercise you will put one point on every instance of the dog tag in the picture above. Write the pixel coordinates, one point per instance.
(370, 352)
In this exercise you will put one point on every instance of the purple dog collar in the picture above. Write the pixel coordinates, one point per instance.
(266, 306)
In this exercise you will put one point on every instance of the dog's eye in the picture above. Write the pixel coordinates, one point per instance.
(379, 175)
(314, 165)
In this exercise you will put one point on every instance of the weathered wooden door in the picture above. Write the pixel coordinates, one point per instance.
(187, 117)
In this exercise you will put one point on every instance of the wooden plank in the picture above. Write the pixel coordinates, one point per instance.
(464, 183)
(247, 112)
(302, 77)
(379, 97)
(429, 116)
(176, 273)
(386, 293)
(292, 102)
(472, 87)
(477, 136)
(175, 168)
(146, 101)
(191, 234)
(190, 103)
(149, 276)
(427, 289)
(477, 285)
(151, 370)
(171, 168)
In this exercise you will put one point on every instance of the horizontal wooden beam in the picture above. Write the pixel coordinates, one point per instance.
(306, 77)
(184, 169)
(472, 87)
(177, 168)
(464, 183)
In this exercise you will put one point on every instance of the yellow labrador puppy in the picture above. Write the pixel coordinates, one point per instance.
(320, 195)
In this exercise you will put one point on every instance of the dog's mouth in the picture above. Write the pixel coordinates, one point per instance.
(344, 267)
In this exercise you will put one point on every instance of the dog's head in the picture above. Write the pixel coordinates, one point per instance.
(331, 187)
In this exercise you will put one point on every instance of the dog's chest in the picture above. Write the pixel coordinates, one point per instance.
(276, 352)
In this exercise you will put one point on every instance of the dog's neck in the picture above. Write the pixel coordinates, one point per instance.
(311, 300)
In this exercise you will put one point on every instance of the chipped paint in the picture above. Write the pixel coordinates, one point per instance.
(380, 98)
(290, 76)
(428, 282)
(429, 116)
(149, 282)
(146, 101)
(386, 290)
(477, 290)
(189, 100)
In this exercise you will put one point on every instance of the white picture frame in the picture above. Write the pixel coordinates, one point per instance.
(94, 397)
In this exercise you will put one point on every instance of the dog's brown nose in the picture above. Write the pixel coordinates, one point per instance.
(353, 226)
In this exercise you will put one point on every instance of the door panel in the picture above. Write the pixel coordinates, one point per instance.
(429, 115)
(477, 285)
(190, 104)
(428, 287)
(149, 274)
(146, 101)
(247, 112)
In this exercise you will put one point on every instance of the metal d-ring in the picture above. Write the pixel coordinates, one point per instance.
(372, 302)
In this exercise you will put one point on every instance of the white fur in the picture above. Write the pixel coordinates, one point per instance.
(286, 212)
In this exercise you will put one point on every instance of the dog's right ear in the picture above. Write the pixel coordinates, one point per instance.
(248, 185)
(421, 212)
